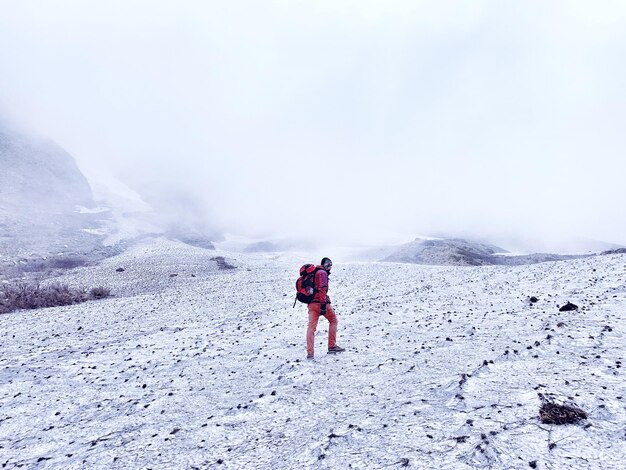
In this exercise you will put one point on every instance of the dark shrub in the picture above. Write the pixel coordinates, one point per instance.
(43, 265)
(99, 293)
(553, 413)
(67, 262)
(31, 296)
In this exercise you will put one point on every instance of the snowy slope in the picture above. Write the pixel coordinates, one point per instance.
(206, 368)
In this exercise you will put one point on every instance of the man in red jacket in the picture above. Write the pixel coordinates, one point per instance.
(321, 306)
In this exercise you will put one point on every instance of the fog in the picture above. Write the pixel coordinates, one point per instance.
(351, 122)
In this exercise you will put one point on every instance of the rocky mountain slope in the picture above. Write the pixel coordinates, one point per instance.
(49, 219)
(41, 192)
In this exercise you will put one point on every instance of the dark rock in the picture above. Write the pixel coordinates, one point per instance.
(120, 270)
(222, 263)
(568, 307)
(534, 299)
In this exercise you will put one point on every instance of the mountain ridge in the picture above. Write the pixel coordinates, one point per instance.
(463, 252)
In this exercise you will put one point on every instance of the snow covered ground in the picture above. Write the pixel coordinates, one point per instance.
(193, 366)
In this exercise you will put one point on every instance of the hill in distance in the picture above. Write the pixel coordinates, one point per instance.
(461, 252)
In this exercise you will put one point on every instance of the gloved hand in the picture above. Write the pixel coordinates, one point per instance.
(323, 309)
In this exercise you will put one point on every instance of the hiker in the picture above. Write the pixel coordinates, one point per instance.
(320, 305)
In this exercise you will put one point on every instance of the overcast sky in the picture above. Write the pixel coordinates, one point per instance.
(359, 120)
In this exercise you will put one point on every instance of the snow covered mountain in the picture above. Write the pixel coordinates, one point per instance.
(193, 366)
(38, 175)
(47, 209)
(460, 252)
(41, 195)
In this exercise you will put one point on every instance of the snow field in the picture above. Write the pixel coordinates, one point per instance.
(206, 368)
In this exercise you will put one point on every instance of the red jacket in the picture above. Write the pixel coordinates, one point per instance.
(321, 287)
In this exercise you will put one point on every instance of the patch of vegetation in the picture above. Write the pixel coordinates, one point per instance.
(42, 267)
(23, 295)
(57, 262)
(553, 413)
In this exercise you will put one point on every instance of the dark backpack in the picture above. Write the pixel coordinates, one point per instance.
(305, 285)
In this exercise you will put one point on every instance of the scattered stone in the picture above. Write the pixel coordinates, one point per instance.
(534, 299)
(120, 270)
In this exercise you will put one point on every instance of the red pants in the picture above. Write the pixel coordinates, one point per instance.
(314, 316)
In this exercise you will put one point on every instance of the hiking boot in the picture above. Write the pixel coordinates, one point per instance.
(309, 356)
(335, 349)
